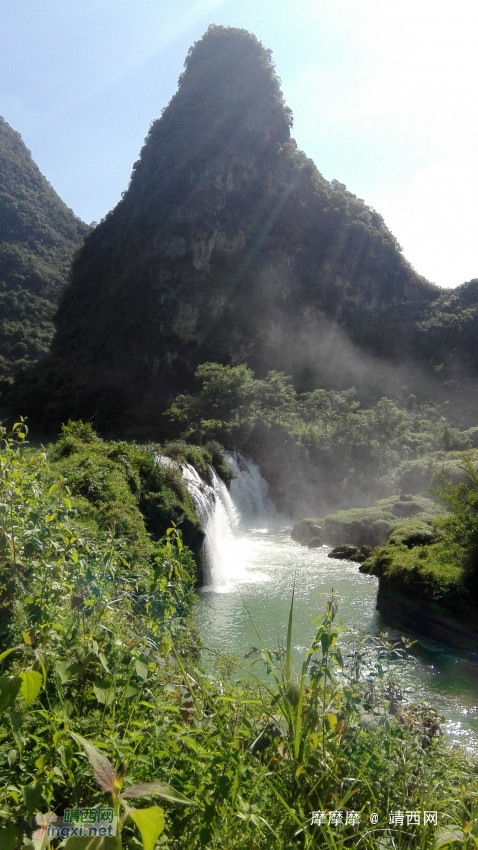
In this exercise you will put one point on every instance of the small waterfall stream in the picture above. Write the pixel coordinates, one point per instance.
(224, 514)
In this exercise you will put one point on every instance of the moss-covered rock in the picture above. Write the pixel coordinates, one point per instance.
(347, 552)
(421, 587)
(414, 532)
(421, 590)
(306, 530)
(315, 543)
(371, 526)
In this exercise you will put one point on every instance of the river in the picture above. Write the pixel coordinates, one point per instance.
(252, 564)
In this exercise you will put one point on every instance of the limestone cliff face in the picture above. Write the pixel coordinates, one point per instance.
(228, 245)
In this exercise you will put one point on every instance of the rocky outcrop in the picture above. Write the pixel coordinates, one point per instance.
(305, 531)
(453, 623)
(371, 526)
(314, 543)
(346, 552)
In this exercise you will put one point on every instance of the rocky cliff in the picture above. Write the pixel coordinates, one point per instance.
(229, 245)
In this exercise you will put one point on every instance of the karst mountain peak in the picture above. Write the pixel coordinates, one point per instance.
(229, 245)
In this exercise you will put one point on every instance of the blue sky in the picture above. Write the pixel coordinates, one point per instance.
(384, 96)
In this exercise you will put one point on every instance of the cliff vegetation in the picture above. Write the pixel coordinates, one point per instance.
(38, 237)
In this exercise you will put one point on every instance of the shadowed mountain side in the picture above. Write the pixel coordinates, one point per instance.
(38, 235)
(230, 246)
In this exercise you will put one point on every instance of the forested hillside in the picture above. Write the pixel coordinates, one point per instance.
(38, 235)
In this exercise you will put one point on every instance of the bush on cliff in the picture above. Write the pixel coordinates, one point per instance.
(459, 527)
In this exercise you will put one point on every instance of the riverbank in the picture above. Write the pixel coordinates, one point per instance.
(421, 590)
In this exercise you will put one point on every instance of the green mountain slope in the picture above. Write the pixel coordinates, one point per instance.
(38, 235)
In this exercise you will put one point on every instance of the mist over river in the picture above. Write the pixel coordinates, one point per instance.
(251, 566)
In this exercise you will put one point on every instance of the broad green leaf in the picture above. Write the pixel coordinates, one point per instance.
(448, 835)
(7, 652)
(33, 795)
(9, 689)
(131, 691)
(141, 667)
(102, 768)
(158, 789)
(31, 685)
(150, 823)
(104, 691)
(16, 719)
(9, 837)
(104, 662)
(331, 721)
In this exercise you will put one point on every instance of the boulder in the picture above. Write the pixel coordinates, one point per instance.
(306, 530)
(314, 543)
(346, 552)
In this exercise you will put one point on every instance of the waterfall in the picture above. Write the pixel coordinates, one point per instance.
(249, 491)
(223, 514)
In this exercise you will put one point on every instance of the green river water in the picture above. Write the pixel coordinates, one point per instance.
(257, 580)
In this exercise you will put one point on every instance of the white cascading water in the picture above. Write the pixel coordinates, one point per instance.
(223, 513)
(249, 491)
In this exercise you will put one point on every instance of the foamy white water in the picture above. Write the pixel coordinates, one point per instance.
(224, 518)
(249, 492)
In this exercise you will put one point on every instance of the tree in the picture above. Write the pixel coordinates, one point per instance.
(460, 526)
(276, 396)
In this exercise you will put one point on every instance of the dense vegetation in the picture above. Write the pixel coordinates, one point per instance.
(103, 699)
(38, 235)
(301, 439)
